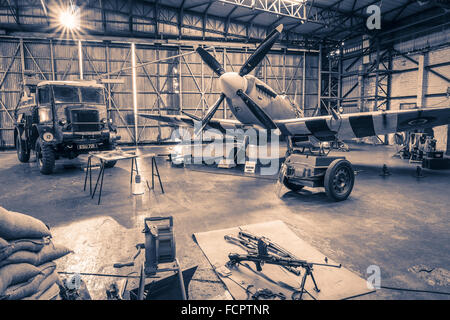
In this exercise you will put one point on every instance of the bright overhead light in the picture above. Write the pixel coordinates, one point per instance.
(69, 19)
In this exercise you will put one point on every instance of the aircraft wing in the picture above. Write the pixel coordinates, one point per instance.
(180, 120)
(359, 125)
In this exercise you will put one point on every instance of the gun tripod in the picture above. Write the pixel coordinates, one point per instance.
(298, 295)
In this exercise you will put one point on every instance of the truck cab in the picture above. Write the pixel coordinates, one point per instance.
(62, 119)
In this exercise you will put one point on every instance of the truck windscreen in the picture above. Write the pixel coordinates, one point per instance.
(92, 95)
(66, 94)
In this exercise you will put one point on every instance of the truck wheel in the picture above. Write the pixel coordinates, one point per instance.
(110, 164)
(45, 157)
(292, 186)
(339, 180)
(23, 153)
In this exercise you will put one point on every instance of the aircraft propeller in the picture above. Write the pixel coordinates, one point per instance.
(246, 68)
(261, 51)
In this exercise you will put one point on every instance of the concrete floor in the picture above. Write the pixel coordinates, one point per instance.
(399, 223)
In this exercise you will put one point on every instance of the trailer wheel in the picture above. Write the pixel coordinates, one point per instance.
(23, 153)
(339, 180)
(45, 157)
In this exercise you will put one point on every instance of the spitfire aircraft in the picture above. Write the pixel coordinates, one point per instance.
(255, 104)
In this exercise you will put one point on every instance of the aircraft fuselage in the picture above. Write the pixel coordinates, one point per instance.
(275, 106)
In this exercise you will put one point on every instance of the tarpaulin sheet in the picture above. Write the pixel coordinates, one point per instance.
(333, 283)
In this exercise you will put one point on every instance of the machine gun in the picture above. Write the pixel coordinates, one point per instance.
(254, 244)
(259, 260)
(278, 256)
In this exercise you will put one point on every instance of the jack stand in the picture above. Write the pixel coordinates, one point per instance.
(385, 171)
(419, 173)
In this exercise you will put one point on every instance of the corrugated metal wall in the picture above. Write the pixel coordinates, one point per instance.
(167, 87)
(404, 77)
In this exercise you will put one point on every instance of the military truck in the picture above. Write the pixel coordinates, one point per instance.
(62, 119)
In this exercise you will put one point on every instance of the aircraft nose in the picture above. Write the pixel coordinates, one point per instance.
(231, 82)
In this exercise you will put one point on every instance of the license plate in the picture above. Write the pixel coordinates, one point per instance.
(87, 146)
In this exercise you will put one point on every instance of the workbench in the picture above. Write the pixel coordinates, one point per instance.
(116, 155)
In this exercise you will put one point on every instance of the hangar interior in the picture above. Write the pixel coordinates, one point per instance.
(328, 61)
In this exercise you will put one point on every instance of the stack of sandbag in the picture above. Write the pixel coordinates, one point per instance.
(27, 254)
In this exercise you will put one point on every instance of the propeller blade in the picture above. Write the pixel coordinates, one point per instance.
(261, 51)
(210, 113)
(257, 111)
(210, 61)
(194, 117)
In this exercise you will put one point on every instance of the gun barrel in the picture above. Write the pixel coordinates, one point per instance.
(275, 248)
(270, 259)
(327, 265)
(239, 242)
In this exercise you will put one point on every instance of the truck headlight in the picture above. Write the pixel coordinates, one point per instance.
(47, 136)
(45, 115)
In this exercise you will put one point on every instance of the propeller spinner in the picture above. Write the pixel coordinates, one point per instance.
(234, 84)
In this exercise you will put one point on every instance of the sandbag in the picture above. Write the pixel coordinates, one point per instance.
(33, 245)
(30, 287)
(3, 244)
(8, 248)
(23, 290)
(14, 225)
(50, 252)
(46, 284)
(12, 274)
(51, 293)
(5, 249)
